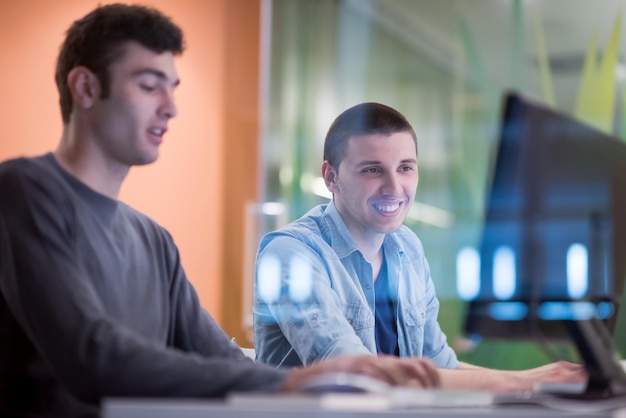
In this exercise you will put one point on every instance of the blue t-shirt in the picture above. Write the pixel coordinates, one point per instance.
(386, 331)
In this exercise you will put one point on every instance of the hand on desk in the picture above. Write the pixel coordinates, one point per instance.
(559, 372)
(473, 377)
(389, 369)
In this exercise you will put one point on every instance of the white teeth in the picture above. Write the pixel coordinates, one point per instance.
(157, 131)
(388, 208)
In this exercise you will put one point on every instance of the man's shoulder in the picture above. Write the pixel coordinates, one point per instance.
(22, 165)
(308, 229)
(26, 170)
(309, 224)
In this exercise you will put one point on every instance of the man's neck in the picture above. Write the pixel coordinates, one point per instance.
(87, 165)
(372, 249)
(369, 243)
(371, 253)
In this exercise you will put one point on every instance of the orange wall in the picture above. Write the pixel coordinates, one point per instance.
(241, 127)
(182, 190)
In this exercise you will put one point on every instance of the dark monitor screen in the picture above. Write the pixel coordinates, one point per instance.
(554, 239)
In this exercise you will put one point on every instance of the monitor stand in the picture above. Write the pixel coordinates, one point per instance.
(600, 358)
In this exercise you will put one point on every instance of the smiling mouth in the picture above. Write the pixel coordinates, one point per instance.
(387, 208)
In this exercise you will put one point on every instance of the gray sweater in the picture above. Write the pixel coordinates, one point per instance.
(94, 303)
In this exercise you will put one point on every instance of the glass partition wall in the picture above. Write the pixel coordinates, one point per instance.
(444, 64)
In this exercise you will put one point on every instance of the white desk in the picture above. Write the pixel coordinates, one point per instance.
(138, 408)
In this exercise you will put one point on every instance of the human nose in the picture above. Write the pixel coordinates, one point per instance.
(391, 184)
(168, 107)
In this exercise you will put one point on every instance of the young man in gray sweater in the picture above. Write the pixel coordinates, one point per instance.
(94, 302)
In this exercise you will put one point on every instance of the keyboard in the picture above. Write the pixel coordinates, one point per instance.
(403, 398)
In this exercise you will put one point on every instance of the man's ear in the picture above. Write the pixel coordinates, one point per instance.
(84, 87)
(330, 177)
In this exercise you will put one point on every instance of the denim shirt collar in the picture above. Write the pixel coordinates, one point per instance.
(341, 240)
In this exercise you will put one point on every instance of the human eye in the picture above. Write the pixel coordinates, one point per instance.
(371, 170)
(147, 87)
(148, 83)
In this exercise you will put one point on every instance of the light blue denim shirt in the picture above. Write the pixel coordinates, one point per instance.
(314, 294)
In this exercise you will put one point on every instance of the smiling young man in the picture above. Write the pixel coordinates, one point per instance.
(94, 302)
(349, 278)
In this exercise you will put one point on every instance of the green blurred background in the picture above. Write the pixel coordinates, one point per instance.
(445, 65)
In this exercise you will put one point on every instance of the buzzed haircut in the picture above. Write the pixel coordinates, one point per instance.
(96, 41)
(363, 119)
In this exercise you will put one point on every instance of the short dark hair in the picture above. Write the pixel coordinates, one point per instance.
(96, 40)
(362, 119)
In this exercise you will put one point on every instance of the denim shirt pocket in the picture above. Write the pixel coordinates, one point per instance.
(411, 334)
(414, 315)
(358, 316)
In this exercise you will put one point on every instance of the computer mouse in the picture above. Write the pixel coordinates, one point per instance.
(343, 383)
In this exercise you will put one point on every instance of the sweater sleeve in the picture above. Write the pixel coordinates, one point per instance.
(53, 300)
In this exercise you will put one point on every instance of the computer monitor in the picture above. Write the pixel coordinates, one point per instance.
(553, 251)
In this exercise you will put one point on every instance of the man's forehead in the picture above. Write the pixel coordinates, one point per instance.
(359, 142)
(137, 58)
